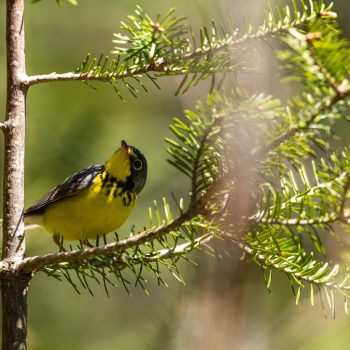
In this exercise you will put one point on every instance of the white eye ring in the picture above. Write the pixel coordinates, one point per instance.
(137, 164)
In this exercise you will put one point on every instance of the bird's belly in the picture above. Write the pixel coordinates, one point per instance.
(87, 215)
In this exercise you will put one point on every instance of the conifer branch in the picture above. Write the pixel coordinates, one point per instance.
(121, 261)
(329, 219)
(178, 62)
(78, 256)
(263, 217)
(31, 264)
(325, 107)
(291, 266)
(71, 76)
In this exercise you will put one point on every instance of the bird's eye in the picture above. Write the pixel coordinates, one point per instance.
(137, 164)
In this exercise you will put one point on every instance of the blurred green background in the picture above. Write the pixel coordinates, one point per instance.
(224, 304)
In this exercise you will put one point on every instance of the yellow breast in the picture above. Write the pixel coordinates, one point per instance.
(99, 209)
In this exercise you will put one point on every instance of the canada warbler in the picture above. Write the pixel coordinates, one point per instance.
(93, 201)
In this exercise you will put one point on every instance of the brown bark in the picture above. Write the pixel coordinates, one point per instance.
(14, 286)
(14, 291)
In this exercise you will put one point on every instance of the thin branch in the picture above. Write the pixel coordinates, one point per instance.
(327, 219)
(77, 256)
(196, 160)
(325, 107)
(342, 91)
(70, 76)
(181, 249)
(162, 254)
(339, 89)
(326, 74)
(259, 35)
(283, 268)
(346, 189)
(342, 216)
(161, 66)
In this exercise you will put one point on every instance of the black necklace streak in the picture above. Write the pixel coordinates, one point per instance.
(118, 188)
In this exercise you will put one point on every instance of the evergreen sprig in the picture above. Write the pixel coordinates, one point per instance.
(307, 197)
(150, 48)
(305, 202)
(284, 254)
(198, 149)
(155, 256)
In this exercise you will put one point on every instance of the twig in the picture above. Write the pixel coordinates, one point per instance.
(261, 257)
(77, 256)
(258, 153)
(339, 89)
(119, 260)
(161, 66)
(331, 218)
(342, 216)
(70, 76)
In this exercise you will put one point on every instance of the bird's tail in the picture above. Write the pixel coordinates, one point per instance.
(27, 226)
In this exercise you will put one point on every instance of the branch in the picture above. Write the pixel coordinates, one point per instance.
(173, 67)
(269, 261)
(78, 256)
(342, 93)
(56, 77)
(180, 249)
(323, 70)
(124, 261)
(326, 219)
(342, 215)
(331, 218)
(159, 66)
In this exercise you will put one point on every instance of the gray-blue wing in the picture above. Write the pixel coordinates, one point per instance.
(71, 185)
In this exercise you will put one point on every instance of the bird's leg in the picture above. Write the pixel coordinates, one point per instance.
(86, 243)
(58, 241)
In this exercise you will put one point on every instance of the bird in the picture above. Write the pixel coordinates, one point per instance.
(93, 201)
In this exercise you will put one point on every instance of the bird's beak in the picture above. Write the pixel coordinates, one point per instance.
(124, 147)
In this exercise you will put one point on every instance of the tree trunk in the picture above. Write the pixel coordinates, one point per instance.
(14, 308)
(14, 286)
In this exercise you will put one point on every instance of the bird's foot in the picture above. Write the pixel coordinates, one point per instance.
(58, 240)
(86, 243)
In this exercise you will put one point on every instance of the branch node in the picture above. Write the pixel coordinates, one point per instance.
(3, 125)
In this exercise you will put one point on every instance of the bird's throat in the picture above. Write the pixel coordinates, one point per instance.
(118, 165)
